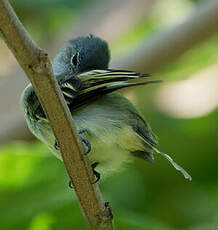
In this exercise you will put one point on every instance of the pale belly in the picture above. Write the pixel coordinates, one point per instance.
(110, 147)
(112, 139)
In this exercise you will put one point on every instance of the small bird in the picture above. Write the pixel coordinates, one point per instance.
(108, 124)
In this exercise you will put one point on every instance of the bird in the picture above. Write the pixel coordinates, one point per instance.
(109, 125)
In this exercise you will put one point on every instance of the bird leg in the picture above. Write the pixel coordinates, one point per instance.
(85, 141)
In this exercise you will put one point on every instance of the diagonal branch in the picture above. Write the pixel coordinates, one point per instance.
(162, 48)
(37, 66)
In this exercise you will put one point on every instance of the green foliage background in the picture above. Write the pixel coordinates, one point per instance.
(34, 193)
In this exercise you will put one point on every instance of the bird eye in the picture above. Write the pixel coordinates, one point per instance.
(74, 59)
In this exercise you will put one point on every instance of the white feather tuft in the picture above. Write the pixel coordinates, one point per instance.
(175, 165)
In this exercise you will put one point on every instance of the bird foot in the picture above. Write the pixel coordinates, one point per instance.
(97, 174)
(56, 145)
(85, 141)
(70, 184)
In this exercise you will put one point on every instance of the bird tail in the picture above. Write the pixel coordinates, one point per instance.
(175, 165)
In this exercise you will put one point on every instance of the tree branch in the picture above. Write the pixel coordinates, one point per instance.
(37, 66)
(162, 48)
(12, 123)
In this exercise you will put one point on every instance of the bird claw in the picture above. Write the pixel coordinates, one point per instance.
(70, 184)
(56, 145)
(85, 141)
(82, 131)
(97, 174)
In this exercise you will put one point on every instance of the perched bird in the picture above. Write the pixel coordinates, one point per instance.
(109, 125)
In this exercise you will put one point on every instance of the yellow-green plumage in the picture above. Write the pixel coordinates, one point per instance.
(110, 130)
(113, 127)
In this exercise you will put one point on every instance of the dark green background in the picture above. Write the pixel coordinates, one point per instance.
(34, 193)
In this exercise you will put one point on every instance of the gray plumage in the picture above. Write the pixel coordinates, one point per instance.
(114, 128)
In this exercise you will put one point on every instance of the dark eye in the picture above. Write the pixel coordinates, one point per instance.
(74, 59)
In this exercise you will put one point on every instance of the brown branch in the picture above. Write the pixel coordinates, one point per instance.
(162, 48)
(12, 123)
(37, 66)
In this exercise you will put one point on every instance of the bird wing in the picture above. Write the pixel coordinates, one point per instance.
(96, 83)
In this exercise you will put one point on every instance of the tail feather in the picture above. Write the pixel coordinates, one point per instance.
(148, 156)
(175, 165)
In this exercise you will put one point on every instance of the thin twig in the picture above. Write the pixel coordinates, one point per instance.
(37, 66)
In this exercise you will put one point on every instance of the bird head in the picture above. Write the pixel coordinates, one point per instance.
(81, 54)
